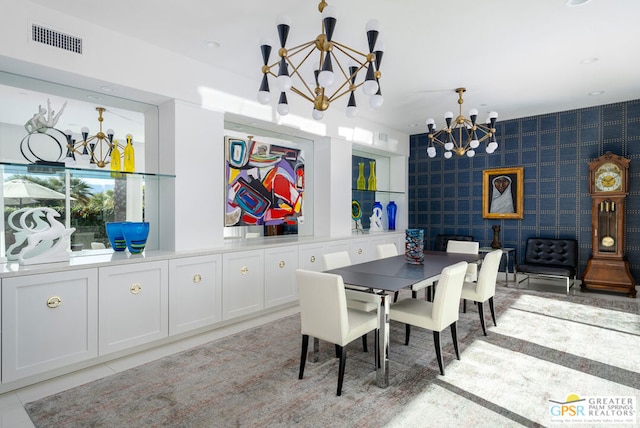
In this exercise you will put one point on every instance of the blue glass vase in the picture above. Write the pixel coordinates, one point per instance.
(116, 235)
(392, 209)
(135, 235)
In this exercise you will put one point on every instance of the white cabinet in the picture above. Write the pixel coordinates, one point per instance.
(133, 305)
(280, 266)
(242, 283)
(195, 292)
(48, 321)
(362, 250)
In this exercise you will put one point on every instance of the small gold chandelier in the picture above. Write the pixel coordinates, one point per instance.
(461, 137)
(95, 149)
(332, 55)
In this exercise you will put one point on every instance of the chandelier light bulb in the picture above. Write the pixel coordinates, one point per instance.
(474, 144)
(448, 115)
(471, 153)
(430, 121)
(493, 146)
(317, 114)
(370, 87)
(283, 83)
(473, 112)
(352, 111)
(372, 25)
(330, 12)
(283, 20)
(448, 146)
(493, 115)
(447, 155)
(283, 105)
(376, 101)
(264, 97)
(431, 152)
(326, 78)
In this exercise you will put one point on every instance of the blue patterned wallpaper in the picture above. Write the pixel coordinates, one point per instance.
(445, 195)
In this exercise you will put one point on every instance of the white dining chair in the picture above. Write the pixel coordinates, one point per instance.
(466, 247)
(485, 288)
(436, 315)
(355, 300)
(324, 315)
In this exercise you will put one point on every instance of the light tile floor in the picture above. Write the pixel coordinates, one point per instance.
(13, 415)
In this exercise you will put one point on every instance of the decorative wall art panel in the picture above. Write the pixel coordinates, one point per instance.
(265, 183)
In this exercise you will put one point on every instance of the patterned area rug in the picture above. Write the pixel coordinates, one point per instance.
(545, 347)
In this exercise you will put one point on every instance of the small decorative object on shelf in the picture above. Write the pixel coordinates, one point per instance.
(414, 246)
(356, 215)
(372, 175)
(35, 147)
(115, 160)
(496, 237)
(376, 218)
(47, 241)
(135, 235)
(392, 209)
(361, 183)
(129, 155)
(116, 235)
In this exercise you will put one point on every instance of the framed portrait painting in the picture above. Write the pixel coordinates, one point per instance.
(503, 193)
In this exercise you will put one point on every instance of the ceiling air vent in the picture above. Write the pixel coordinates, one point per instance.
(56, 39)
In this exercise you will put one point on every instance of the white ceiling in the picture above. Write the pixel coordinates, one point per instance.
(519, 58)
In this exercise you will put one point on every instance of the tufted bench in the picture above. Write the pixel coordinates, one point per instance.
(550, 258)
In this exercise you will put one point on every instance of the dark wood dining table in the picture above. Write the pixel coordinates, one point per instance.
(388, 275)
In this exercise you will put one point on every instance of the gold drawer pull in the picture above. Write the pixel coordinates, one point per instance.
(244, 270)
(359, 250)
(313, 259)
(54, 302)
(197, 278)
(135, 288)
(281, 264)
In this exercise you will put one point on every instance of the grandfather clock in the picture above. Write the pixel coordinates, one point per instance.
(607, 268)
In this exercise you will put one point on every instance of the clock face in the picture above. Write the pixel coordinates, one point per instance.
(608, 178)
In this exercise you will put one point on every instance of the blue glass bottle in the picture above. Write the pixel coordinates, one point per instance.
(392, 209)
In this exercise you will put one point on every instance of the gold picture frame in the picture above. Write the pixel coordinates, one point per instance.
(503, 193)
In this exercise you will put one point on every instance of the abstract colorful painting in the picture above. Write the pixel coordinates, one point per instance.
(265, 183)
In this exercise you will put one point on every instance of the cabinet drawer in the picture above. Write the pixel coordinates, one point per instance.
(48, 321)
(195, 292)
(133, 305)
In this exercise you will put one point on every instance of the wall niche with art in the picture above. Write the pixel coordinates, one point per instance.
(265, 176)
(84, 194)
(374, 186)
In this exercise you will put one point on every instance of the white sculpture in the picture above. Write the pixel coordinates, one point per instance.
(376, 220)
(20, 233)
(38, 123)
(56, 238)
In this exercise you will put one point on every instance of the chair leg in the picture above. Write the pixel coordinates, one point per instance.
(376, 339)
(395, 296)
(454, 337)
(303, 355)
(493, 312)
(414, 294)
(337, 351)
(343, 359)
(407, 333)
(364, 343)
(464, 306)
(436, 342)
(481, 313)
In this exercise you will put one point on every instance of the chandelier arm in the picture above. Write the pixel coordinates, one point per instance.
(297, 91)
(297, 73)
(343, 48)
(334, 96)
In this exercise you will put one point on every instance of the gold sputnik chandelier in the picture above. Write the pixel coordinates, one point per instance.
(462, 136)
(336, 71)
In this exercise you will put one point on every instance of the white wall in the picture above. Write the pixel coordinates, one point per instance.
(191, 145)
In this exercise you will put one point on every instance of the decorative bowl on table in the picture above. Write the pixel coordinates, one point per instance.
(135, 235)
(116, 235)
